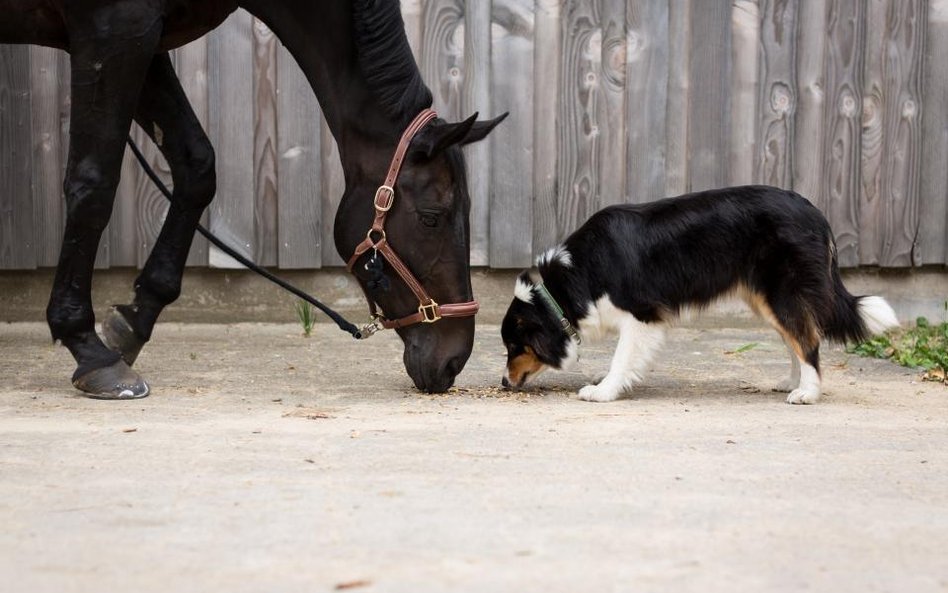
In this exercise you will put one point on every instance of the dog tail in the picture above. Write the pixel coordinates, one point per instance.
(852, 318)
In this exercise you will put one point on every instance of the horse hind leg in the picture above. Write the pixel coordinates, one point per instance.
(108, 67)
(167, 117)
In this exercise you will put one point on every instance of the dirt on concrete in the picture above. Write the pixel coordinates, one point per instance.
(266, 461)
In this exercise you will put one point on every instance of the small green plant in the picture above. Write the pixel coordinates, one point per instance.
(307, 316)
(924, 346)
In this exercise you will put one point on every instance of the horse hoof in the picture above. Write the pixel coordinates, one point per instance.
(118, 335)
(116, 381)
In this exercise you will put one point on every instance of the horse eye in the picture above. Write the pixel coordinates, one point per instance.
(428, 219)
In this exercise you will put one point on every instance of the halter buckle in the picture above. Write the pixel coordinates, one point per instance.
(429, 312)
(387, 194)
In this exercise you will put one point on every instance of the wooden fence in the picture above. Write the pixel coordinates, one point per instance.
(845, 101)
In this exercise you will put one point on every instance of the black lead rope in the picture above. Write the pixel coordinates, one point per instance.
(343, 324)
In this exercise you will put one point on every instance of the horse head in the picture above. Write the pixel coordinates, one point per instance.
(428, 227)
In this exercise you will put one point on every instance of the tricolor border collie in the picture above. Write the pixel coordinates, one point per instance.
(632, 268)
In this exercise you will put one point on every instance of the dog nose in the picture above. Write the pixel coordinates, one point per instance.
(505, 382)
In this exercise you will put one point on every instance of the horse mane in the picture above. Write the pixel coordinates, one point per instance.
(386, 61)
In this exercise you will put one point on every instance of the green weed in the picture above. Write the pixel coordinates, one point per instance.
(307, 316)
(924, 346)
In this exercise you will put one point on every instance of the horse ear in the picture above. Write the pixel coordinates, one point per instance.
(481, 129)
(436, 137)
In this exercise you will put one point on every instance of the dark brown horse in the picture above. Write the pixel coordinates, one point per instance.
(357, 59)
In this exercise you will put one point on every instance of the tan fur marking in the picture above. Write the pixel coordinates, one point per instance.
(523, 366)
(761, 308)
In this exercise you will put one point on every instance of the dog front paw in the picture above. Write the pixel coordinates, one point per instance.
(803, 396)
(598, 393)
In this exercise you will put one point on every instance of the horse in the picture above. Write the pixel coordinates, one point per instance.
(356, 57)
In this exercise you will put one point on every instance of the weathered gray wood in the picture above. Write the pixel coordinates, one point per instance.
(933, 186)
(578, 143)
(904, 44)
(140, 212)
(842, 123)
(442, 55)
(45, 77)
(709, 120)
(613, 139)
(512, 189)
(807, 175)
(646, 93)
(230, 89)
(545, 108)
(298, 171)
(678, 114)
(777, 98)
(191, 65)
(745, 41)
(414, 25)
(17, 243)
(265, 144)
(477, 98)
(871, 197)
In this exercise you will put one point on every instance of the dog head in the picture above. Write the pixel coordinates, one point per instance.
(533, 336)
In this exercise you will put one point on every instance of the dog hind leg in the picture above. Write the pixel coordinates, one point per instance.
(793, 381)
(638, 343)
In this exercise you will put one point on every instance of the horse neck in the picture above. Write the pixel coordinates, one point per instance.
(322, 41)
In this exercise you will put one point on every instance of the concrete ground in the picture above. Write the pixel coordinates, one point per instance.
(265, 461)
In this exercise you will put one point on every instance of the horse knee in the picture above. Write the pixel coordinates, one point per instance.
(89, 196)
(201, 185)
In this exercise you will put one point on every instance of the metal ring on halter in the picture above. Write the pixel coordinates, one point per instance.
(368, 235)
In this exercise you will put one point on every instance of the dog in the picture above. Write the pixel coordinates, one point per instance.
(631, 269)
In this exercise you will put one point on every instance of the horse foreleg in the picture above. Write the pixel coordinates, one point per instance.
(167, 117)
(110, 49)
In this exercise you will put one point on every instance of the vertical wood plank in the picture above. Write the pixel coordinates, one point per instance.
(230, 91)
(677, 114)
(842, 122)
(190, 63)
(777, 99)
(613, 137)
(578, 118)
(709, 121)
(477, 98)
(265, 144)
(745, 40)
(646, 93)
(45, 76)
(17, 245)
(545, 108)
(904, 43)
(871, 198)
(933, 186)
(141, 210)
(442, 63)
(414, 25)
(300, 214)
(807, 172)
(512, 188)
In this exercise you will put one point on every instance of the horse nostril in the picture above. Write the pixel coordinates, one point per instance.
(505, 382)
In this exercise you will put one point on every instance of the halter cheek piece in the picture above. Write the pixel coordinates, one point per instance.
(428, 310)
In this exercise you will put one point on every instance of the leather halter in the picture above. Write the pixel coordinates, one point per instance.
(429, 311)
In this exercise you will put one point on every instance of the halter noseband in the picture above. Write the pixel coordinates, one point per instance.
(429, 311)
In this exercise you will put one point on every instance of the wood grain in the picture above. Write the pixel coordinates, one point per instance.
(332, 184)
(511, 183)
(477, 99)
(745, 41)
(842, 123)
(545, 108)
(230, 90)
(578, 142)
(678, 114)
(613, 139)
(709, 120)
(17, 243)
(807, 172)
(298, 171)
(265, 144)
(442, 55)
(933, 187)
(45, 76)
(777, 98)
(646, 95)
